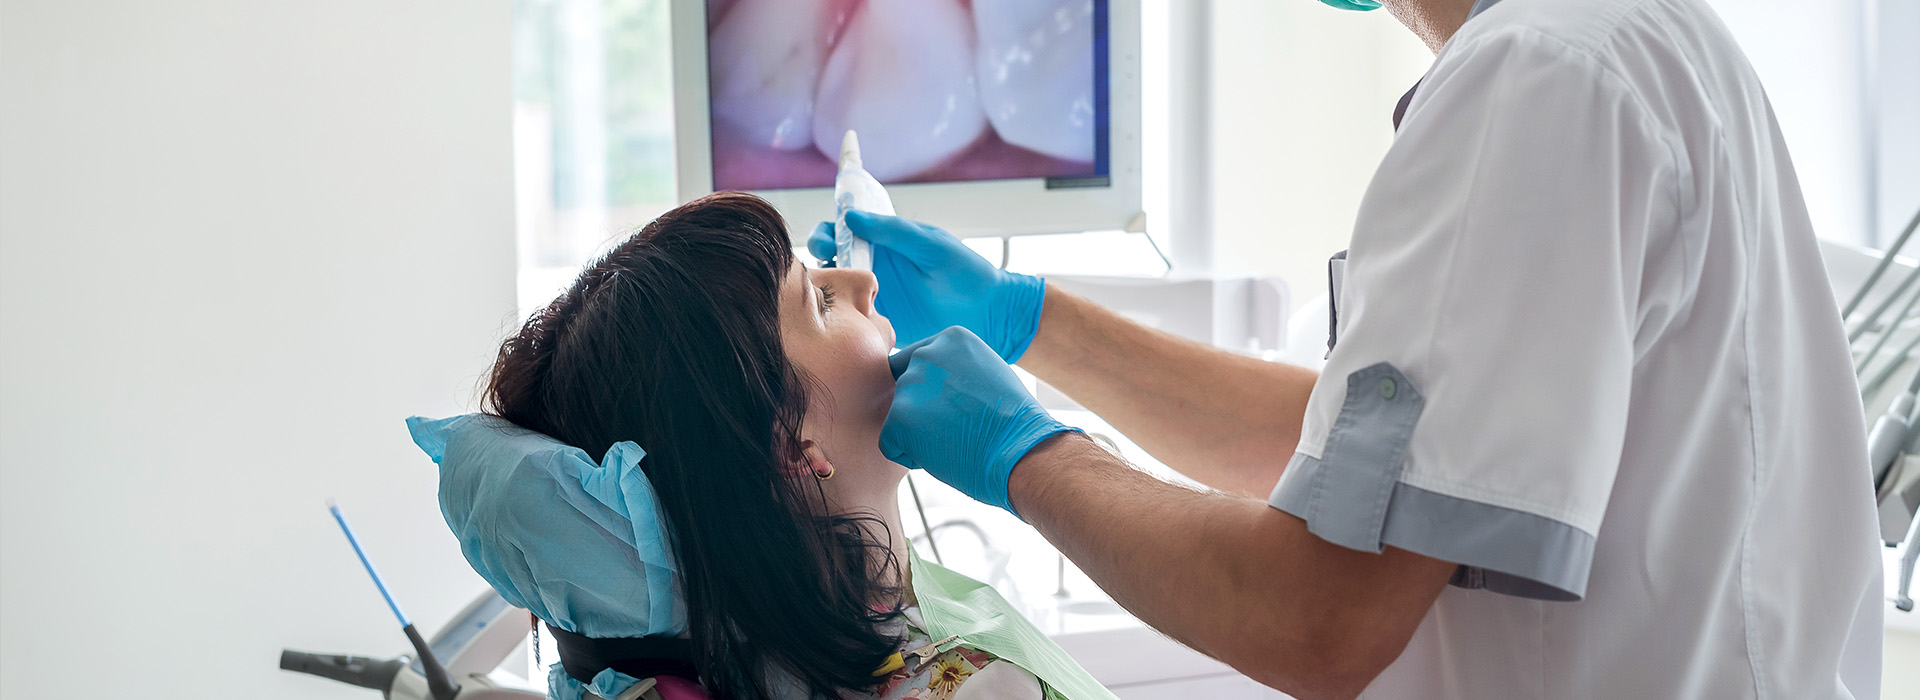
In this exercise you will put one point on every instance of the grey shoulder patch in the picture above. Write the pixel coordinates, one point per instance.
(1352, 496)
(1364, 452)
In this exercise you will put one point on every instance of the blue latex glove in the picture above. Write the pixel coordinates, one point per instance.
(960, 413)
(929, 280)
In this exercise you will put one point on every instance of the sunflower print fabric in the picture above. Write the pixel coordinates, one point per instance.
(947, 675)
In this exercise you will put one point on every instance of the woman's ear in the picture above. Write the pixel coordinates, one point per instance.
(809, 461)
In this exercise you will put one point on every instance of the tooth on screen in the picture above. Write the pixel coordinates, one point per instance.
(902, 76)
(1036, 73)
(766, 59)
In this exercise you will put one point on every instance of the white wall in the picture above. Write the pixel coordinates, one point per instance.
(240, 241)
(1303, 101)
(1897, 77)
(1900, 674)
(1812, 56)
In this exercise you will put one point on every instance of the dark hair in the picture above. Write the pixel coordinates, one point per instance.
(672, 340)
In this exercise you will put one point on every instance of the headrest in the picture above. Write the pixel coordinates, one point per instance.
(581, 545)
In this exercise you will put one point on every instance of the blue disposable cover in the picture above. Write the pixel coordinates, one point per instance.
(581, 545)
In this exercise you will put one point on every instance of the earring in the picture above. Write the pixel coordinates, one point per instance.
(826, 476)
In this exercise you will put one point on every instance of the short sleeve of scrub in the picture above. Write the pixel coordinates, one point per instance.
(1474, 406)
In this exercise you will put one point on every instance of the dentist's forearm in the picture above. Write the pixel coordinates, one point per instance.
(1228, 575)
(1226, 420)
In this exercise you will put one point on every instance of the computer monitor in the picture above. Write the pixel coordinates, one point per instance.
(986, 118)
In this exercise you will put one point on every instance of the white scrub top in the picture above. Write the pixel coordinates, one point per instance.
(1587, 350)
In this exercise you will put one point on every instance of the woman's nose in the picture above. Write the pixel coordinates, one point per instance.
(856, 286)
(865, 288)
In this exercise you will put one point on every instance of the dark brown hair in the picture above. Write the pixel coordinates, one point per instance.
(672, 340)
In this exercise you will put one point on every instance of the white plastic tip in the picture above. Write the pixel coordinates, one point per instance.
(850, 150)
(333, 504)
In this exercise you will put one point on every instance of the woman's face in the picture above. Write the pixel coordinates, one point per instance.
(832, 333)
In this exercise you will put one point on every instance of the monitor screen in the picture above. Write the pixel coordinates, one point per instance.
(939, 91)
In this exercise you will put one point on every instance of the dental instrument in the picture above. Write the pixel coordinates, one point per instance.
(1886, 260)
(1899, 357)
(1873, 316)
(1880, 268)
(480, 636)
(1888, 437)
(855, 188)
(1903, 598)
(1893, 442)
(441, 687)
(1899, 318)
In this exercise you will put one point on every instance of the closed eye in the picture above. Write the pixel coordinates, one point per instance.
(826, 296)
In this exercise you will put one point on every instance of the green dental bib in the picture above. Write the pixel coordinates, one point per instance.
(952, 604)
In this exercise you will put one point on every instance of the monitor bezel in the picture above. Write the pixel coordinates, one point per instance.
(966, 209)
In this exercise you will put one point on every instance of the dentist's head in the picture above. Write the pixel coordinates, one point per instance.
(757, 389)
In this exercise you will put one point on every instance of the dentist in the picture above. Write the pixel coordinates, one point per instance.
(1588, 428)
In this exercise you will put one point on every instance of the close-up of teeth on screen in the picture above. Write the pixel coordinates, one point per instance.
(938, 90)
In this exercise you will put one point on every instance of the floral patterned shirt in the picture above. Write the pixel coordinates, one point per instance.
(960, 673)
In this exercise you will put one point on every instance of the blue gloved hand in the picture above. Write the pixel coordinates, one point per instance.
(929, 280)
(960, 413)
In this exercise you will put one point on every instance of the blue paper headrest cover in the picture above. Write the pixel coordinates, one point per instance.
(581, 545)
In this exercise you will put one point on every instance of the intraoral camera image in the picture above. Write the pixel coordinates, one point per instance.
(938, 90)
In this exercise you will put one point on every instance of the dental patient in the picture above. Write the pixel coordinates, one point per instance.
(719, 511)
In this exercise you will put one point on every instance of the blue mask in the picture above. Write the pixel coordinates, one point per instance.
(1353, 4)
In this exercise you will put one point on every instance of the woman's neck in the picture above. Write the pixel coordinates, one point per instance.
(896, 538)
(880, 500)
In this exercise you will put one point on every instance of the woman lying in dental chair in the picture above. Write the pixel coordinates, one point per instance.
(681, 475)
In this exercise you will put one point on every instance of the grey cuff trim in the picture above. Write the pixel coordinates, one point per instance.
(1499, 549)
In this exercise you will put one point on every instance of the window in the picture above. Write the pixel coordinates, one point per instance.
(593, 131)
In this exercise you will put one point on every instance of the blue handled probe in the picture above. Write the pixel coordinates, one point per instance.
(438, 683)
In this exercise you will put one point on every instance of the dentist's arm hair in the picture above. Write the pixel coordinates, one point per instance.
(1226, 420)
(1230, 576)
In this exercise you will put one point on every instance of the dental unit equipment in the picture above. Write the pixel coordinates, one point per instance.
(474, 643)
(1902, 597)
(1900, 317)
(437, 682)
(1893, 443)
(1880, 268)
(1887, 439)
